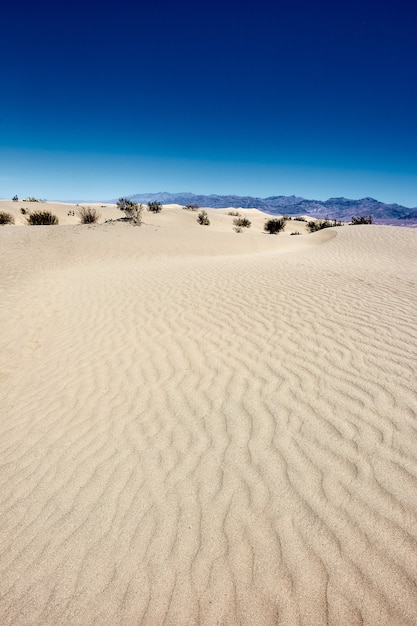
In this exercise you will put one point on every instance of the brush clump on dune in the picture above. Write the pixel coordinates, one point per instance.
(42, 218)
(274, 225)
(6, 218)
(88, 215)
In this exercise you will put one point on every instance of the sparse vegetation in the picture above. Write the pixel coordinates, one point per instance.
(132, 210)
(15, 199)
(274, 225)
(315, 225)
(23, 211)
(295, 232)
(41, 218)
(238, 229)
(203, 218)
(191, 207)
(88, 215)
(287, 218)
(6, 218)
(154, 207)
(234, 213)
(242, 222)
(32, 199)
(361, 219)
(299, 218)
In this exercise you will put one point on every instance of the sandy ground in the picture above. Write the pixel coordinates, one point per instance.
(204, 427)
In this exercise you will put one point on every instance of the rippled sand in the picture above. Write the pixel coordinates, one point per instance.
(200, 427)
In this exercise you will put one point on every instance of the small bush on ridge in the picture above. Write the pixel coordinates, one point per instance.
(42, 218)
(234, 213)
(155, 207)
(190, 207)
(313, 225)
(274, 225)
(6, 218)
(242, 222)
(362, 219)
(88, 215)
(132, 210)
(203, 218)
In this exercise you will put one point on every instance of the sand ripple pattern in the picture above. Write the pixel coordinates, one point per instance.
(212, 440)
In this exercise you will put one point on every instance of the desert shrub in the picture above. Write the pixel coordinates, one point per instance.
(315, 225)
(190, 207)
(15, 199)
(88, 215)
(274, 225)
(362, 219)
(299, 218)
(203, 218)
(154, 207)
(295, 232)
(132, 210)
(6, 218)
(234, 213)
(23, 211)
(242, 222)
(31, 199)
(41, 218)
(286, 217)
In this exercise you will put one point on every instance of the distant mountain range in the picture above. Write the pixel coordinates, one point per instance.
(335, 208)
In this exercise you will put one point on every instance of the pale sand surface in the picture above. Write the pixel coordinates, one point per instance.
(201, 427)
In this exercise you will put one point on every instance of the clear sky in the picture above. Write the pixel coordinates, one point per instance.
(312, 98)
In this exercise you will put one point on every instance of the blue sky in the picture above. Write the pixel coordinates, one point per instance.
(267, 98)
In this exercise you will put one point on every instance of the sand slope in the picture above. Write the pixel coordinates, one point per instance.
(199, 427)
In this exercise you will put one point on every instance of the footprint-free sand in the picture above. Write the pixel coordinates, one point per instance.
(205, 427)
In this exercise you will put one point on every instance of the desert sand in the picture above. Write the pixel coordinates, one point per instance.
(204, 427)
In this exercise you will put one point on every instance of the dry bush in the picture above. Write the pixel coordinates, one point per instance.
(362, 219)
(203, 218)
(315, 225)
(154, 207)
(6, 218)
(242, 222)
(88, 215)
(274, 225)
(42, 218)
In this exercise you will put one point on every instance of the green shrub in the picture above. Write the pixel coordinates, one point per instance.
(23, 211)
(6, 218)
(315, 225)
(274, 225)
(154, 207)
(299, 218)
(234, 213)
(88, 215)
(190, 207)
(242, 222)
(15, 199)
(203, 218)
(41, 218)
(362, 219)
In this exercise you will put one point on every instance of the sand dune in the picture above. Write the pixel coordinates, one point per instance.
(200, 427)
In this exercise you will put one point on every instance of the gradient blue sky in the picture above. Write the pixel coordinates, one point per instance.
(316, 99)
